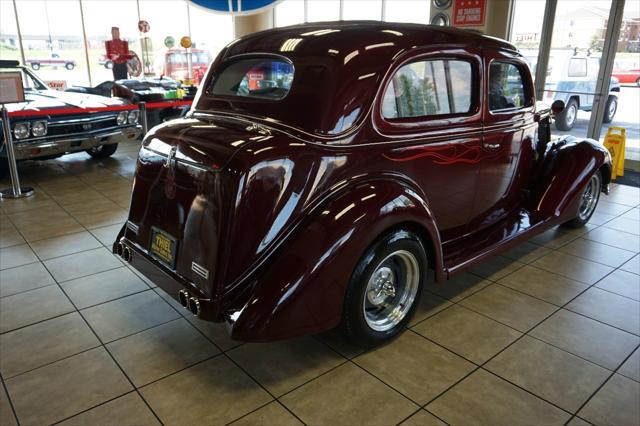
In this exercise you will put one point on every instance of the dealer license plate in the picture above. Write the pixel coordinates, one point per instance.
(164, 247)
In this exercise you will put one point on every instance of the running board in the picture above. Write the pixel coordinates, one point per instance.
(511, 231)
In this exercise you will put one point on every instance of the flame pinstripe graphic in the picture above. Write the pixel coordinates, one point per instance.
(445, 154)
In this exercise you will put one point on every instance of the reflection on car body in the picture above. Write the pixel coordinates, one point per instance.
(324, 200)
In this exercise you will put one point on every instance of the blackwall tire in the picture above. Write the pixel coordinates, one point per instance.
(35, 66)
(588, 201)
(568, 117)
(610, 109)
(69, 66)
(103, 151)
(384, 289)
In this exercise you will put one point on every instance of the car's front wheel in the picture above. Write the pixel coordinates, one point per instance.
(567, 118)
(35, 66)
(69, 66)
(610, 109)
(103, 151)
(384, 289)
(588, 201)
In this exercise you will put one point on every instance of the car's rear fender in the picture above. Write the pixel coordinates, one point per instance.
(300, 290)
(564, 170)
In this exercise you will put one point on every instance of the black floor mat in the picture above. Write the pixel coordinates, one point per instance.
(630, 178)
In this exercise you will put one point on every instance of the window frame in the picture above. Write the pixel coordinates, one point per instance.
(586, 68)
(211, 80)
(426, 120)
(525, 85)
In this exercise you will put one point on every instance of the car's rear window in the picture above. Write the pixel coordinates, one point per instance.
(262, 78)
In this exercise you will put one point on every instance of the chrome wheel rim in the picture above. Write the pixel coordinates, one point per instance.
(590, 197)
(571, 115)
(96, 149)
(391, 290)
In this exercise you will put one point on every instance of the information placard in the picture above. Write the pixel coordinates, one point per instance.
(469, 13)
(11, 89)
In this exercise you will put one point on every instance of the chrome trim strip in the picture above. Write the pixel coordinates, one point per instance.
(198, 269)
(82, 120)
(133, 227)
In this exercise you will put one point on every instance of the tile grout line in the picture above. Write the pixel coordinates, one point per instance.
(613, 373)
(13, 408)
(224, 353)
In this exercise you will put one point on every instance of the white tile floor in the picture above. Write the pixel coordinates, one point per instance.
(547, 333)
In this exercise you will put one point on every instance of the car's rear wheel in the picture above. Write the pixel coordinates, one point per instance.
(69, 66)
(103, 151)
(567, 118)
(610, 109)
(35, 66)
(638, 81)
(108, 65)
(588, 201)
(384, 289)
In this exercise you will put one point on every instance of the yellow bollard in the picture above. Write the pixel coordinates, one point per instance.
(615, 141)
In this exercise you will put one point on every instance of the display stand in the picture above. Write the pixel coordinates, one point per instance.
(16, 191)
(11, 91)
(142, 107)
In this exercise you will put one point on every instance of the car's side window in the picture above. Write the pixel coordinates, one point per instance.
(506, 86)
(429, 88)
(577, 67)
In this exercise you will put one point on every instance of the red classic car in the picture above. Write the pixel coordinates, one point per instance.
(375, 152)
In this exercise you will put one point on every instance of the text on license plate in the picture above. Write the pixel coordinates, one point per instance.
(163, 247)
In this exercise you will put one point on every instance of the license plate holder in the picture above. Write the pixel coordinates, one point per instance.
(163, 247)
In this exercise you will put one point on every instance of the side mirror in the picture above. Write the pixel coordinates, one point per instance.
(557, 106)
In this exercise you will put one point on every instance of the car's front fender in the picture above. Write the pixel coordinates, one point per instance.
(301, 289)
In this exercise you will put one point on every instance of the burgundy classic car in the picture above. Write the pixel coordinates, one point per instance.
(324, 168)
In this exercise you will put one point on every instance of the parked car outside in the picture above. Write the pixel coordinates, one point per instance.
(375, 152)
(627, 72)
(45, 136)
(53, 61)
(105, 62)
(574, 84)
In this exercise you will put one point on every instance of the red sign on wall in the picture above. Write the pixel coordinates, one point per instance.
(469, 13)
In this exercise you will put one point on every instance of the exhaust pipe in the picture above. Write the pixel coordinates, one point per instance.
(194, 306)
(126, 254)
(119, 249)
(183, 296)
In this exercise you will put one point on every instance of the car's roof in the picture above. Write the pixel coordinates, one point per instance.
(338, 68)
(350, 35)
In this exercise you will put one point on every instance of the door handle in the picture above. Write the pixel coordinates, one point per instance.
(491, 145)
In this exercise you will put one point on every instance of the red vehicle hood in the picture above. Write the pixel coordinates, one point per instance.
(43, 100)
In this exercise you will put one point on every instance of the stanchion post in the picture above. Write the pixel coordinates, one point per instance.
(142, 106)
(15, 191)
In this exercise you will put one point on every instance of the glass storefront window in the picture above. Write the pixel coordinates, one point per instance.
(99, 17)
(412, 11)
(210, 32)
(526, 29)
(9, 44)
(362, 9)
(574, 62)
(166, 19)
(52, 40)
(289, 12)
(626, 69)
(325, 10)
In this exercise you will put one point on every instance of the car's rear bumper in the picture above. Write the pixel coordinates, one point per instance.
(64, 145)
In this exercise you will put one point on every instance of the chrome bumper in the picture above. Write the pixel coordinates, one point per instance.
(65, 145)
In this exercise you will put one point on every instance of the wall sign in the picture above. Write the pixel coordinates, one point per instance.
(469, 13)
(237, 7)
(11, 89)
